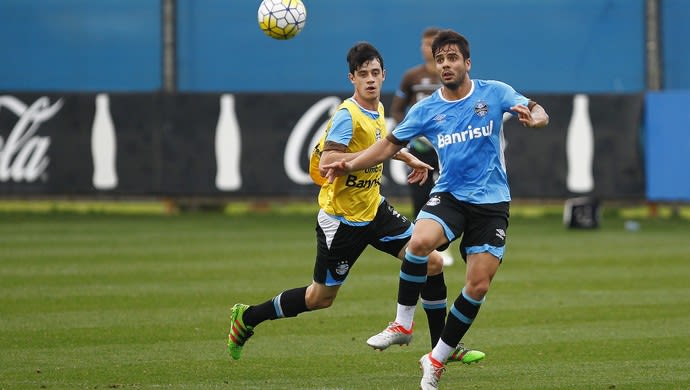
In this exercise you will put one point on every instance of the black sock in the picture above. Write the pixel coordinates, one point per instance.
(460, 318)
(289, 303)
(434, 303)
(412, 278)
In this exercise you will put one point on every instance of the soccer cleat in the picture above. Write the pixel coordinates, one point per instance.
(465, 356)
(239, 333)
(431, 372)
(393, 334)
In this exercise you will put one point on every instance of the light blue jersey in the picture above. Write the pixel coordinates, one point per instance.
(467, 136)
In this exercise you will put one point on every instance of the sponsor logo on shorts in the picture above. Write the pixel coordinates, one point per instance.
(342, 268)
(434, 201)
(500, 233)
(395, 213)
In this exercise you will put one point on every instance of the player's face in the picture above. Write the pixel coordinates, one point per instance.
(452, 66)
(368, 80)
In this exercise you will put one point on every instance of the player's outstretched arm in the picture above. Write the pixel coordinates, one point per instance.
(377, 153)
(533, 115)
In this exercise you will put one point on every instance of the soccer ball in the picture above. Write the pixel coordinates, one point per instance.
(282, 19)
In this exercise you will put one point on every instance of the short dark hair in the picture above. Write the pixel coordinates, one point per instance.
(361, 53)
(450, 37)
(430, 32)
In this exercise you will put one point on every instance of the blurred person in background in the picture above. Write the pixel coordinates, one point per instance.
(417, 83)
(353, 215)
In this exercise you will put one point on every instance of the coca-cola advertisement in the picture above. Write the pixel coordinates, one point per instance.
(258, 145)
(24, 158)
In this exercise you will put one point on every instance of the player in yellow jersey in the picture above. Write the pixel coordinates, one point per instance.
(353, 215)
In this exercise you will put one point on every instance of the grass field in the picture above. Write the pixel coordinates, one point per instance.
(139, 300)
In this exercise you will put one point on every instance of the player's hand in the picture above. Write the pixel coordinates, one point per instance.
(524, 115)
(335, 169)
(418, 175)
(420, 170)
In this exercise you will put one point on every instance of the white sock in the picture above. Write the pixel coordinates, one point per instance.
(405, 316)
(441, 351)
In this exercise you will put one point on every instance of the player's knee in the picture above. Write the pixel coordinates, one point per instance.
(477, 289)
(435, 264)
(420, 247)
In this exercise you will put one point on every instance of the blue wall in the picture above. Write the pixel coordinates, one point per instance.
(675, 35)
(536, 45)
(80, 45)
(539, 46)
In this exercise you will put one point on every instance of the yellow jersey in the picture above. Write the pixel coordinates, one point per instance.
(355, 196)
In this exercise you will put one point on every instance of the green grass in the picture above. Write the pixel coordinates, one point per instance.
(102, 300)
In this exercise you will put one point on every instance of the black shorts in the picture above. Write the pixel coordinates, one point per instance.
(483, 227)
(339, 245)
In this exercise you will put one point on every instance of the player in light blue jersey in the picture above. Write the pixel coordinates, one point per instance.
(471, 197)
(466, 133)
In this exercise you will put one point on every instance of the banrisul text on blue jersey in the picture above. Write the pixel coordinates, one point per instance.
(462, 136)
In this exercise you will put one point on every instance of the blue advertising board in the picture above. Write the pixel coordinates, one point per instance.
(667, 142)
